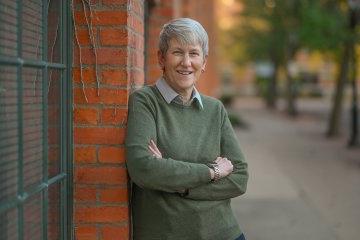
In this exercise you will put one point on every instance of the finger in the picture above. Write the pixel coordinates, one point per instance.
(154, 146)
(154, 154)
(152, 143)
(152, 150)
(218, 159)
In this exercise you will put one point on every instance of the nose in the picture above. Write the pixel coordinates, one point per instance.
(186, 60)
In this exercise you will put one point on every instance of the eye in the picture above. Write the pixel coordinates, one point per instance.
(194, 54)
(177, 52)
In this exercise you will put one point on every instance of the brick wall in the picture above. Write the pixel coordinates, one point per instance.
(100, 180)
(160, 12)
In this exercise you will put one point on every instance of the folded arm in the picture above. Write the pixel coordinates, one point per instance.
(232, 185)
(149, 171)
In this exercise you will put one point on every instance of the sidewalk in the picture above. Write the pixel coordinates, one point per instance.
(302, 185)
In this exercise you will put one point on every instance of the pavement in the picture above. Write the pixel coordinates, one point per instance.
(302, 185)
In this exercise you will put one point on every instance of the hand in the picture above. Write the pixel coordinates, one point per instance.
(225, 166)
(154, 149)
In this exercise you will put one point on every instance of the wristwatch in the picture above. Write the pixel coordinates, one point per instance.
(216, 169)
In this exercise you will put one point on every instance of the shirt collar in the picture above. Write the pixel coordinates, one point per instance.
(169, 94)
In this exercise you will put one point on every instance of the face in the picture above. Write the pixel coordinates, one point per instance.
(182, 66)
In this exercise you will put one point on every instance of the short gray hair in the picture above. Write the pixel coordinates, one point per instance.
(186, 31)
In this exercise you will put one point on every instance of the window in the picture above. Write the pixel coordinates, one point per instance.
(35, 120)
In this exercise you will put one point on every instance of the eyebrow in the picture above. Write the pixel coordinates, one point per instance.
(190, 50)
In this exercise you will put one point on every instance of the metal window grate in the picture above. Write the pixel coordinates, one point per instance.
(35, 120)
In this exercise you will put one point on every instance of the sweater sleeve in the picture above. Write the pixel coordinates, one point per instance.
(234, 184)
(147, 171)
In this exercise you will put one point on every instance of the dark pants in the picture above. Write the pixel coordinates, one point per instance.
(241, 237)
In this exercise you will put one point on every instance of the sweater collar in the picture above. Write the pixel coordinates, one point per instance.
(169, 94)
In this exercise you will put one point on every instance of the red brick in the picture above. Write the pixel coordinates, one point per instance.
(109, 56)
(85, 194)
(86, 116)
(88, 75)
(99, 135)
(79, 2)
(112, 116)
(96, 175)
(85, 155)
(106, 96)
(113, 37)
(137, 77)
(165, 12)
(115, 2)
(53, 153)
(114, 96)
(83, 36)
(112, 154)
(53, 114)
(108, 214)
(137, 59)
(114, 195)
(115, 232)
(85, 233)
(136, 41)
(103, 18)
(114, 77)
(53, 135)
(136, 24)
(136, 7)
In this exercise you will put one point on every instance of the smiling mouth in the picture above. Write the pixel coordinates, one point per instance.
(184, 72)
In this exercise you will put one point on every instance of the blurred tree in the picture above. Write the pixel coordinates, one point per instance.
(326, 28)
(274, 31)
(347, 69)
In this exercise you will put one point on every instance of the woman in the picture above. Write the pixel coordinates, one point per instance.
(182, 154)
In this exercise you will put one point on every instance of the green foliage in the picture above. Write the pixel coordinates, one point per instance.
(270, 29)
(323, 26)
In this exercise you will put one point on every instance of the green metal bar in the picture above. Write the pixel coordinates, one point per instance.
(63, 188)
(20, 124)
(45, 117)
(68, 100)
(20, 199)
(28, 63)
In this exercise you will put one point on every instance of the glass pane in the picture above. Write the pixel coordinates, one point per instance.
(8, 132)
(32, 29)
(54, 117)
(54, 32)
(32, 218)
(32, 126)
(8, 29)
(54, 212)
(8, 225)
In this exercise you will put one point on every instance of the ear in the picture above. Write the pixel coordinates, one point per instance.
(161, 59)
(204, 63)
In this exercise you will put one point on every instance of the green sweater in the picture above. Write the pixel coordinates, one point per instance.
(189, 138)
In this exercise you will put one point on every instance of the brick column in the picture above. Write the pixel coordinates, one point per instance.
(159, 14)
(101, 209)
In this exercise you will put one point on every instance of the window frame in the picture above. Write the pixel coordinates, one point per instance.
(65, 175)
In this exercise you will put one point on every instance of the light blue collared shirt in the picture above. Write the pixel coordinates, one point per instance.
(170, 95)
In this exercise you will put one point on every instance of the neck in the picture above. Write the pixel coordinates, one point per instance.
(186, 95)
